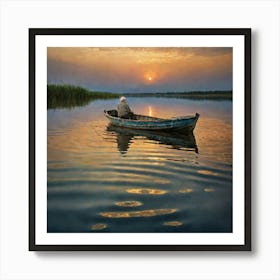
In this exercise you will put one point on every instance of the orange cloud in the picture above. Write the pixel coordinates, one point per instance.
(141, 68)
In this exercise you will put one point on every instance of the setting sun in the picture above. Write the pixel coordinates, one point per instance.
(150, 76)
(142, 69)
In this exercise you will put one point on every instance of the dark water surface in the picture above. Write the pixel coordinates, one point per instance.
(103, 179)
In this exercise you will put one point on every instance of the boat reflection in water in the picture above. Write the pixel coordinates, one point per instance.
(124, 137)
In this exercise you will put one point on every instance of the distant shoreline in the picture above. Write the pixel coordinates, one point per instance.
(191, 94)
(67, 96)
(71, 89)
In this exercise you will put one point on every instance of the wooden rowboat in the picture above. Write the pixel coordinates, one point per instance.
(178, 124)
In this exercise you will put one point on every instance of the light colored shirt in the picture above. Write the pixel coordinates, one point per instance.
(123, 109)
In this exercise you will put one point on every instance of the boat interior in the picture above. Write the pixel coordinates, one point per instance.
(114, 113)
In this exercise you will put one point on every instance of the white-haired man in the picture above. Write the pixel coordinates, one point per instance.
(123, 109)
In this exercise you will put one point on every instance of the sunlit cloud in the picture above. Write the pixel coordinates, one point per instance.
(142, 69)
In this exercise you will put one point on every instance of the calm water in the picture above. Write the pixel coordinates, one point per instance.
(102, 179)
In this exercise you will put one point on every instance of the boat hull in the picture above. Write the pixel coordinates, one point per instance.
(155, 124)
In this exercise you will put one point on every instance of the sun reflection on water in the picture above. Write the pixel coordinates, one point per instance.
(150, 111)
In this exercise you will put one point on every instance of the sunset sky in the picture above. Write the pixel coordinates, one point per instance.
(126, 70)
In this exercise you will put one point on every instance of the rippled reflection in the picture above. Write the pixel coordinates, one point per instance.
(144, 213)
(207, 172)
(128, 203)
(123, 141)
(98, 227)
(93, 169)
(173, 224)
(187, 190)
(146, 191)
(209, 190)
(124, 137)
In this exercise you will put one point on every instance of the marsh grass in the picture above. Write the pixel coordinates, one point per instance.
(69, 96)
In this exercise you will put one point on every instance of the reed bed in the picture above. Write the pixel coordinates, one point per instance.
(69, 96)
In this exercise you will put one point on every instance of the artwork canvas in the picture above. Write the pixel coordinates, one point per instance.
(141, 139)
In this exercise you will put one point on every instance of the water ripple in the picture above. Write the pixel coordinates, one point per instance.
(146, 191)
(144, 213)
(94, 172)
(128, 203)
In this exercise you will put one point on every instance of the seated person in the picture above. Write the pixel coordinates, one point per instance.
(124, 111)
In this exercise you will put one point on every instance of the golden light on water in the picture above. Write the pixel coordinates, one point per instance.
(98, 226)
(187, 190)
(150, 111)
(144, 213)
(85, 156)
(209, 190)
(173, 223)
(207, 172)
(128, 203)
(146, 191)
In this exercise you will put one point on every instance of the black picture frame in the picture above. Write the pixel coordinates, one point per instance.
(246, 32)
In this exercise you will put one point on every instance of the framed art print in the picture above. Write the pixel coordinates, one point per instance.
(140, 139)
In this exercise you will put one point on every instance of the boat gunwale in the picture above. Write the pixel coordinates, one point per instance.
(153, 119)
